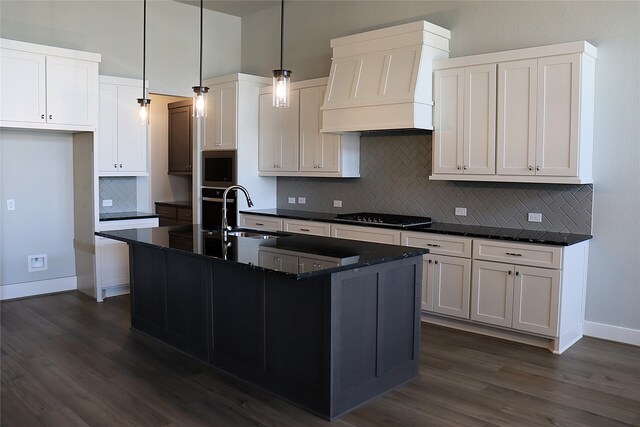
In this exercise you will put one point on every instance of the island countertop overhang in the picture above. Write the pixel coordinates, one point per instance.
(294, 255)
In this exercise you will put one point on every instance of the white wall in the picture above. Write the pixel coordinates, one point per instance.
(114, 29)
(37, 172)
(478, 27)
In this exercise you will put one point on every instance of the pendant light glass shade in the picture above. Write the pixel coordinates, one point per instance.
(281, 77)
(144, 102)
(199, 109)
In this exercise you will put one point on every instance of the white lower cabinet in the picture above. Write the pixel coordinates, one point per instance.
(365, 234)
(516, 296)
(112, 258)
(314, 228)
(261, 222)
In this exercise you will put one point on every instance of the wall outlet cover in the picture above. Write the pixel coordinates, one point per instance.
(337, 203)
(11, 204)
(37, 262)
(302, 200)
(461, 211)
(107, 202)
(534, 217)
(292, 200)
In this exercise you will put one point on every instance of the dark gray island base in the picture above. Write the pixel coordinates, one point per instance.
(327, 324)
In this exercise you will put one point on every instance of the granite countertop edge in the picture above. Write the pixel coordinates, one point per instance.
(485, 232)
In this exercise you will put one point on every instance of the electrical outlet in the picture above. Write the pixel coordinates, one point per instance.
(534, 217)
(337, 203)
(37, 262)
(11, 204)
(292, 200)
(461, 211)
(107, 202)
(302, 200)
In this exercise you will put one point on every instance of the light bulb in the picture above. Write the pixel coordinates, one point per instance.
(200, 101)
(281, 88)
(143, 111)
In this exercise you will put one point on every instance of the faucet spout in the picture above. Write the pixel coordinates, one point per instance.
(225, 223)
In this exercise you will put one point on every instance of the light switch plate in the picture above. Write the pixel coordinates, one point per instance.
(292, 200)
(461, 211)
(11, 204)
(302, 200)
(107, 202)
(534, 217)
(337, 203)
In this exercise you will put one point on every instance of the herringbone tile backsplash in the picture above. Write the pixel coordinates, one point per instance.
(394, 178)
(122, 191)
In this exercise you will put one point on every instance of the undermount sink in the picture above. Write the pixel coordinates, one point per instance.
(251, 234)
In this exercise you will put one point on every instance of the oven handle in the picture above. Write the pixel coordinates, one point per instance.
(212, 199)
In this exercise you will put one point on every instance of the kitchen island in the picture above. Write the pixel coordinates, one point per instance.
(327, 324)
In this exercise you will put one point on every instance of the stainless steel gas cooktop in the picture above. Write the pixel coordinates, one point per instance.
(401, 221)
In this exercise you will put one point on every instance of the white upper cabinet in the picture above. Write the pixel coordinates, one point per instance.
(48, 88)
(316, 154)
(279, 135)
(122, 141)
(222, 117)
(545, 103)
(465, 115)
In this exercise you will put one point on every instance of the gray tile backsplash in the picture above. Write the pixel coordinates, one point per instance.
(122, 191)
(394, 178)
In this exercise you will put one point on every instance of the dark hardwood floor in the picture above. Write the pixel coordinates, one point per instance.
(69, 361)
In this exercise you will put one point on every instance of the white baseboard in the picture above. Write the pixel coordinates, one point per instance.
(113, 291)
(611, 333)
(40, 287)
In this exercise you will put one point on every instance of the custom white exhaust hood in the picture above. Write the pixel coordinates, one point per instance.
(382, 79)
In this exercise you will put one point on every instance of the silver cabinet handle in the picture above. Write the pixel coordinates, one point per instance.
(512, 254)
(433, 245)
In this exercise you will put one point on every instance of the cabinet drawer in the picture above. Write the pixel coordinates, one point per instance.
(167, 211)
(126, 224)
(307, 227)
(313, 264)
(185, 214)
(438, 244)
(518, 253)
(366, 234)
(260, 222)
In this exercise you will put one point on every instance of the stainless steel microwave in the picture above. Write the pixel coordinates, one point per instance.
(219, 168)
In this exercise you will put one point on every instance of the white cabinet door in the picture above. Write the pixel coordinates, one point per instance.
(279, 135)
(479, 120)
(221, 129)
(451, 286)
(71, 87)
(492, 293)
(108, 128)
(314, 228)
(448, 110)
(122, 142)
(557, 115)
(261, 222)
(23, 86)
(319, 152)
(536, 300)
(114, 262)
(516, 134)
(132, 137)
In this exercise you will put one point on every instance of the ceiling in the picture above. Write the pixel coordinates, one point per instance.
(234, 7)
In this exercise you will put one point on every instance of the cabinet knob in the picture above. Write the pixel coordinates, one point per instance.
(465, 167)
(517, 273)
(458, 167)
(429, 261)
(537, 168)
(319, 166)
(50, 116)
(115, 165)
(435, 262)
(530, 168)
(120, 165)
(42, 117)
(509, 272)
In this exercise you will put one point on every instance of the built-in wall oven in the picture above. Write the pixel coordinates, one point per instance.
(212, 208)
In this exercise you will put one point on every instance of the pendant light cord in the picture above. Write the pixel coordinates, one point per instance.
(281, 33)
(201, 21)
(144, 51)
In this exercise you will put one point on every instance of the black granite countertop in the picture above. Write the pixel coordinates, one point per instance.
(178, 204)
(118, 216)
(511, 234)
(284, 254)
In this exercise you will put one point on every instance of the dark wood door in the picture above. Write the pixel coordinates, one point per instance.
(147, 272)
(180, 138)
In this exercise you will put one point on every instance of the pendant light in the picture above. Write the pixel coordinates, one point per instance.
(144, 102)
(200, 92)
(281, 77)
